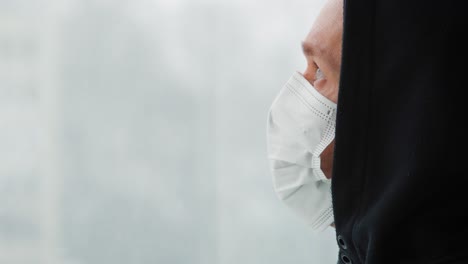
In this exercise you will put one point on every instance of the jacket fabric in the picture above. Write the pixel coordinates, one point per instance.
(399, 182)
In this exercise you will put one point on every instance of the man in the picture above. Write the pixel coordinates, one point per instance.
(398, 182)
(302, 123)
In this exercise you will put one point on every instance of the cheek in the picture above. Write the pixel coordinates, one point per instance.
(335, 67)
(320, 84)
(327, 88)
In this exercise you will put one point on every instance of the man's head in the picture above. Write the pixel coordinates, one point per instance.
(322, 49)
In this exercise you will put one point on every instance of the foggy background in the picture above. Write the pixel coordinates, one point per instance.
(133, 132)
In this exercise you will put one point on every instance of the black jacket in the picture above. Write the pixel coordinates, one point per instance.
(399, 184)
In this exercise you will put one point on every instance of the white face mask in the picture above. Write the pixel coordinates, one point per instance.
(301, 124)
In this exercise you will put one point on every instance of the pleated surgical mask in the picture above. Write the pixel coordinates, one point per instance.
(301, 124)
